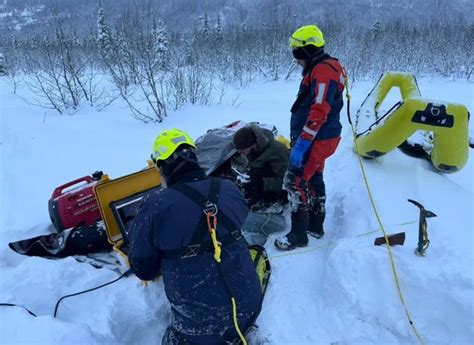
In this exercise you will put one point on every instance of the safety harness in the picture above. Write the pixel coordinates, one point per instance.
(207, 227)
(200, 242)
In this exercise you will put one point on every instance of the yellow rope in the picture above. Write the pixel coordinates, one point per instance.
(236, 324)
(217, 257)
(332, 243)
(372, 202)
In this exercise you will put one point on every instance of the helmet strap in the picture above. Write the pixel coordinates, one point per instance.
(184, 156)
(317, 58)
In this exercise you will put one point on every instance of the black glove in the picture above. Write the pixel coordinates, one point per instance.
(253, 190)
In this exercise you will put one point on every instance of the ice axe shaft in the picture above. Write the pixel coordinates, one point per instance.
(423, 241)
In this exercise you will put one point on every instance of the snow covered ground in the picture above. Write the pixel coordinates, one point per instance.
(341, 293)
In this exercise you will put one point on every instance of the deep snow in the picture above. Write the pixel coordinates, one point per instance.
(341, 293)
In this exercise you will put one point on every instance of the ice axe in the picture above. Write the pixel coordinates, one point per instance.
(392, 239)
(423, 241)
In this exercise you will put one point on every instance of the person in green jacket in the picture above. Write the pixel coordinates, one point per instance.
(262, 183)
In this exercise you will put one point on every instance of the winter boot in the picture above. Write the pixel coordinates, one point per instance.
(315, 225)
(316, 218)
(297, 237)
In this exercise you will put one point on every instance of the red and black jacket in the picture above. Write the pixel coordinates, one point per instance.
(316, 111)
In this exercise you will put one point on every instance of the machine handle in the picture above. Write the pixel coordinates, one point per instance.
(59, 190)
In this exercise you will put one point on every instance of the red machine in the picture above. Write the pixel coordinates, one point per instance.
(74, 203)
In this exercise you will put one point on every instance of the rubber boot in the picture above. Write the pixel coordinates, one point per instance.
(297, 237)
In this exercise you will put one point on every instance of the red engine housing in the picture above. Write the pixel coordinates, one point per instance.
(74, 203)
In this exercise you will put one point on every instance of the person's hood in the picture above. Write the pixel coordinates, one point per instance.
(263, 137)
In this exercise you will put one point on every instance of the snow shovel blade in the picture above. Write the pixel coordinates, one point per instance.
(392, 239)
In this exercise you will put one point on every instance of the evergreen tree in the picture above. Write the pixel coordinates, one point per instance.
(206, 29)
(376, 28)
(190, 47)
(104, 35)
(218, 30)
(160, 45)
(3, 70)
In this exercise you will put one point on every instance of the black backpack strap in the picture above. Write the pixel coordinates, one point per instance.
(200, 242)
(200, 234)
(330, 65)
(302, 95)
(213, 197)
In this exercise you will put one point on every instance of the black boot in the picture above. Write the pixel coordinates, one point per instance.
(316, 218)
(315, 225)
(297, 237)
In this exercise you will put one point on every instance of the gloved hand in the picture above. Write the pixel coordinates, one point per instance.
(297, 152)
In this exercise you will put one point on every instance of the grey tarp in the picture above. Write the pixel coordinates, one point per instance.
(215, 147)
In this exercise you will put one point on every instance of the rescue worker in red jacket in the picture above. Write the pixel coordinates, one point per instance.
(315, 135)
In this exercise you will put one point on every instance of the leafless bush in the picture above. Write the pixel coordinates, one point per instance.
(57, 72)
(136, 56)
(189, 85)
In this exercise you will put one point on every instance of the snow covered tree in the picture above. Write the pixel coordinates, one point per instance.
(104, 35)
(3, 70)
(140, 57)
(376, 28)
(111, 50)
(218, 35)
(159, 40)
(206, 29)
(189, 48)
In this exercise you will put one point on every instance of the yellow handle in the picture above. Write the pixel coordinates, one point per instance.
(217, 247)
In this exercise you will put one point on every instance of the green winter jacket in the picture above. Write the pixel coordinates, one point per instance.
(269, 158)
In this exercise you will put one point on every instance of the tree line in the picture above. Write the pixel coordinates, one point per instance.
(153, 68)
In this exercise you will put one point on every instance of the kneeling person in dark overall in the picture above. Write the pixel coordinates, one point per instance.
(263, 185)
(171, 236)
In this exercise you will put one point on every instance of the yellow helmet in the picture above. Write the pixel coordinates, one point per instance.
(167, 142)
(305, 36)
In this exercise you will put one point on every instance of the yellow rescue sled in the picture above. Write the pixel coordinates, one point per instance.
(378, 134)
